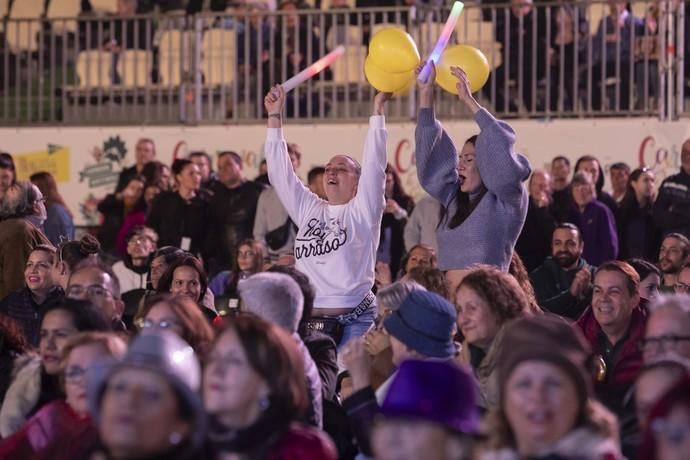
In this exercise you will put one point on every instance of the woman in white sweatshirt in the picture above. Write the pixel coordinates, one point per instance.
(337, 239)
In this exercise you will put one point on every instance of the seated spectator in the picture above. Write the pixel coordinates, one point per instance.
(96, 282)
(22, 213)
(612, 49)
(133, 424)
(419, 255)
(272, 225)
(638, 235)
(673, 254)
(486, 301)
(590, 165)
(614, 326)
(431, 279)
(672, 207)
(277, 298)
(115, 208)
(179, 314)
(442, 428)
(421, 329)
(668, 329)
(563, 283)
(682, 285)
(36, 379)
(58, 226)
(70, 253)
(14, 344)
(666, 434)
(321, 347)
(596, 221)
(254, 386)
(546, 352)
(421, 226)
(186, 276)
(248, 261)
(377, 341)
(132, 271)
(650, 279)
(655, 380)
(66, 419)
(533, 243)
(41, 292)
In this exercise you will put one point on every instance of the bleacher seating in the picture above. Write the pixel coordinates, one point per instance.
(58, 10)
(94, 69)
(218, 57)
(21, 33)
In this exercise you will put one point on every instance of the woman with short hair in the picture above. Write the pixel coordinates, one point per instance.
(186, 276)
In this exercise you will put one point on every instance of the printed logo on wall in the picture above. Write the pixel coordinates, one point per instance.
(55, 160)
(104, 173)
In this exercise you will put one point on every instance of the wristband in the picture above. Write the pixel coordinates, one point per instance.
(274, 115)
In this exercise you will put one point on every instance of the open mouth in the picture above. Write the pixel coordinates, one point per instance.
(332, 182)
(540, 417)
(461, 178)
(34, 279)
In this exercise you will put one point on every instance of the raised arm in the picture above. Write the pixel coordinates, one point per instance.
(293, 194)
(436, 156)
(372, 183)
(501, 169)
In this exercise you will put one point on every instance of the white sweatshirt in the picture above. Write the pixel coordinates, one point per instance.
(336, 244)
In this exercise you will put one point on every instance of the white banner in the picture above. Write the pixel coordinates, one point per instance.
(87, 161)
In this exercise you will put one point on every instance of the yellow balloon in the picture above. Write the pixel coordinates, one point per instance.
(469, 59)
(387, 82)
(405, 90)
(393, 50)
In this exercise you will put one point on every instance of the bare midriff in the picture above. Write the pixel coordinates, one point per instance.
(331, 311)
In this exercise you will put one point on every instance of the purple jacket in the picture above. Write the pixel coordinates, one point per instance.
(598, 228)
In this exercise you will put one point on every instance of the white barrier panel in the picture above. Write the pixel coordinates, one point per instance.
(87, 161)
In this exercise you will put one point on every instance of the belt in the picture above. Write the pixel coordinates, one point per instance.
(359, 309)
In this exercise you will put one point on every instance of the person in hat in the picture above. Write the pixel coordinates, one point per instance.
(255, 392)
(421, 329)
(546, 409)
(430, 412)
(147, 405)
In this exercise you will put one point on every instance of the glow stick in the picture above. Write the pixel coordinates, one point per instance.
(313, 69)
(442, 40)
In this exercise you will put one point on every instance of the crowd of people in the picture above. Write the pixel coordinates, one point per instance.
(511, 314)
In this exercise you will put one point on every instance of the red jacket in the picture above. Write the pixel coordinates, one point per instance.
(302, 442)
(621, 374)
(55, 421)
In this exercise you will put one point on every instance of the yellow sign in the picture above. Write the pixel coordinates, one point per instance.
(54, 160)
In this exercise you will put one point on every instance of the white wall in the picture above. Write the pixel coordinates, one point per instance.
(85, 158)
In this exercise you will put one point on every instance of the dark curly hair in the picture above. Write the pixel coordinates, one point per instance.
(431, 278)
(500, 291)
(519, 271)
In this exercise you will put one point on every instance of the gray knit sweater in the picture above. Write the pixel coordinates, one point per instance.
(489, 233)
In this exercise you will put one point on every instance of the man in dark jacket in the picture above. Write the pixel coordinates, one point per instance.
(672, 206)
(232, 210)
(614, 326)
(533, 243)
(562, 284)
(145, 152)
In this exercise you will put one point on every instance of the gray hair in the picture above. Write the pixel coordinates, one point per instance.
(582, 178)
(678, 302)
(19, 200)
(275, 297)
(393, 296)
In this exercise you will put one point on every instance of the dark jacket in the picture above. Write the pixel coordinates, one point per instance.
(552, 288)
(21, 307)
(638, 235)
(672, 206)
(173, 218)
(598, 228)
(362, 411)
(18, 237)
(393, 234)
(625, 364)
(534, 243)
(323, 351)
(232, 213)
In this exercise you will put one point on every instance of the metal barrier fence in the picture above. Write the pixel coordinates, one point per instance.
(554, 59)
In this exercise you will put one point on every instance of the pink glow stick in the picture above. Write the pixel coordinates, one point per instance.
(442, 40)
(313, 69)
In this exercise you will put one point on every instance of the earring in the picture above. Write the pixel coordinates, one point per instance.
(175, 438)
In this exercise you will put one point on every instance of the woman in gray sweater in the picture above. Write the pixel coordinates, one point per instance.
(481, 191)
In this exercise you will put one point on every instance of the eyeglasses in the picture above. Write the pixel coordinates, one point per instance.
(162, 324)
(74, 373)
(95, 290)
(662, 343)
(681, 287)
